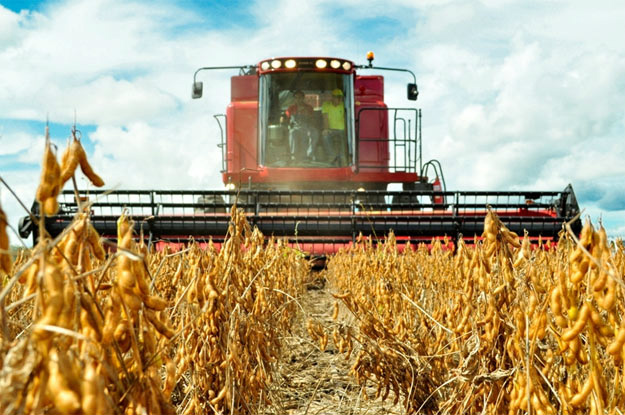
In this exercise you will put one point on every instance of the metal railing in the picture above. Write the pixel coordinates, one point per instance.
(403, 140)
(223, 134)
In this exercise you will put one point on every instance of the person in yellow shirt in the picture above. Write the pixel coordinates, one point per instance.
(333, 133)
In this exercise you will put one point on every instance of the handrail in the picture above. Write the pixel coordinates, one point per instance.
(407, 146)
(223, 143)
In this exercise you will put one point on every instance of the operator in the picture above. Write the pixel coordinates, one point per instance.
(301, 132)
(334, 139)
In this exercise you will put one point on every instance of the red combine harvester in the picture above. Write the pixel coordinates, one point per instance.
(312, 153)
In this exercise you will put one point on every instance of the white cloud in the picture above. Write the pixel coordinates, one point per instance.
(9, 25)
(14, 142)
(90, 56)
(144, 156)
(555, 103)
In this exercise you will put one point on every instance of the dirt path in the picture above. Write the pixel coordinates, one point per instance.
(314, 382)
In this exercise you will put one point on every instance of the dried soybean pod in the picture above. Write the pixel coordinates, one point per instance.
(579, 398)
(64, 163)
(154, 302)
(490, 227)
(72, 250)
(603, 238)
(50, 206)
(608, 300)
(69, 161)
(170, 377)
(5, 257)
(511, 237)
(51, 315)
(138, 268)
(579, 270)
(577, 328)
(160, 326)
(335, 310)
(600, 282)
(587, 234)
(86, 167)
(69, 301)
(53, 278)
(93, 400)
(27, 276)
(556, 307)
(50, 184)
(177, 275)
(124, 231)
(615, 348)
(66, 400)
(110, 324)
(94, 240)
(122, 335)
(132, 301)
(93, 316)
(31, 278)
(113, 315)
(127, 279)
(564, 293)
(220, 396)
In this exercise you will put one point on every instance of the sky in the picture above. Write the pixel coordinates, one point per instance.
(515, 94)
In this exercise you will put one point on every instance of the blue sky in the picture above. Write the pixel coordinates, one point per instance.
(516, 94)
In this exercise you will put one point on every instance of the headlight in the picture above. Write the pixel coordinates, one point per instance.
(321, 63)
(335, 64)
(264, 66)
(347, 66)
(290, 64)
(231, 186)
(275, 64)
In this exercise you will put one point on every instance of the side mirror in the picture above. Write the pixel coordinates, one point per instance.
(413, 92)
(197, 90)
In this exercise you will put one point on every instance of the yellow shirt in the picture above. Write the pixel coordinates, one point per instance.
(336, 115)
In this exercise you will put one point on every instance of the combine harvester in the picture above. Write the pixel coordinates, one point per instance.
(315, 176)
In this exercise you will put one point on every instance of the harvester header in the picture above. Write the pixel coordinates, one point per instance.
(313, 153)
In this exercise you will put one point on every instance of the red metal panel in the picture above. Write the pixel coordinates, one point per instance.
(244, 88)
(369, 88)
(372, 127)
(242, 137)
(295, 174)
(242, 126)
(318, 175)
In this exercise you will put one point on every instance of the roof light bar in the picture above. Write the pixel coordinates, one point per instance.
(288, 64)
(321, 63)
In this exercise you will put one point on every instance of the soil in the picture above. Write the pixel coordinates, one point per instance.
(312, 381)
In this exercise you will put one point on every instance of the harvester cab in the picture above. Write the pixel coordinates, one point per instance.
(311, 151)
(315, 124)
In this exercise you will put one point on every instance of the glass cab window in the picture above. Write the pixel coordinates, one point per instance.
(306, 119)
